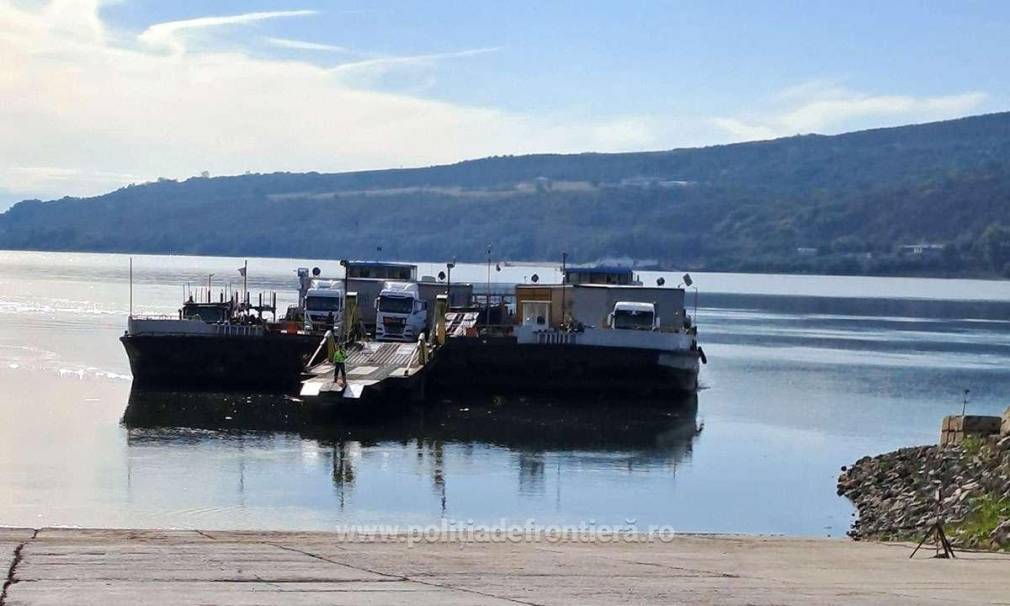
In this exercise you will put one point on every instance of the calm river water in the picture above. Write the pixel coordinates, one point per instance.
(805, 374)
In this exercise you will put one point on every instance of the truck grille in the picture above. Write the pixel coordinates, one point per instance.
(393, 329)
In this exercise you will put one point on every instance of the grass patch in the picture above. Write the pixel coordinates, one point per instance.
(972, 445)
(988, 512)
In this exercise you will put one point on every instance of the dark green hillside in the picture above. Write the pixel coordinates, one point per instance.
(855, 198)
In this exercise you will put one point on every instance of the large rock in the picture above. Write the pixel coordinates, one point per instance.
(1004, 429)
(900, 494)
(1001, 534)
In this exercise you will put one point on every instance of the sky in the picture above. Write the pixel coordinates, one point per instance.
(98, 94)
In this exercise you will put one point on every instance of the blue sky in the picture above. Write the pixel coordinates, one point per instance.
(100, 94)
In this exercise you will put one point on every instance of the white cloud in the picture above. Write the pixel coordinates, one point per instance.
(75, 19)
(742, 131)
(382, 63)
(308, 46)
(811, 89)
(38, 177)
(364, 71)
(168, 34)
(832, 112)
(825, 106)
(87, 112)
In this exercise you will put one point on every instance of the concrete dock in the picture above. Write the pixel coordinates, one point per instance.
(69, 566)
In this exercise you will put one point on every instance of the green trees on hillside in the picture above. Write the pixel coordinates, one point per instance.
(840, 204)
(995, 247)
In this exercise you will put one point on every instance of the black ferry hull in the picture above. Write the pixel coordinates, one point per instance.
(264, 363)
(503, 365)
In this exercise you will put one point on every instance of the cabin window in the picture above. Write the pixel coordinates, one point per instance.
(535, 313)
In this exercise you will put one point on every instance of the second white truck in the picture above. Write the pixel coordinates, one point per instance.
(400, 313)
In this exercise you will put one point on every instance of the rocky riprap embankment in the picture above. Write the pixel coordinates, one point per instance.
(896, 493)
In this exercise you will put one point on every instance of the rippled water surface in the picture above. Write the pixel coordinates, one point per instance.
(805, 374)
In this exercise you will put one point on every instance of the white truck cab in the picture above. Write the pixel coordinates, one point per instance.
(323, 298)
(400, 313)
(632, 315)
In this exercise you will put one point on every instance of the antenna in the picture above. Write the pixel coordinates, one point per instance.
(131, 287)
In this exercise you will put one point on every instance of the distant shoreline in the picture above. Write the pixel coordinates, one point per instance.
(477, 260)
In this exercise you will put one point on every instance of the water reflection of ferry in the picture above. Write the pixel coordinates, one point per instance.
(539, 423)
(651, 436)
(602, 434)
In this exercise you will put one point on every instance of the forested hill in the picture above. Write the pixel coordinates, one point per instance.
(845, 203)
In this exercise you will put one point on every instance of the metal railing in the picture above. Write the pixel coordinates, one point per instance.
(322, 343)
(238, 330)
(420, 354)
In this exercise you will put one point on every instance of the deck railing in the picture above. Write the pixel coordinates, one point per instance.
(420, 354)
(238, 330)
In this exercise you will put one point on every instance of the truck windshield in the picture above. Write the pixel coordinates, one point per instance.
(322, 303)
(396, 305)
(633, 319)
(208, 313)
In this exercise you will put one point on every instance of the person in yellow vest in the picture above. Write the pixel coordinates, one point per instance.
(339, 359)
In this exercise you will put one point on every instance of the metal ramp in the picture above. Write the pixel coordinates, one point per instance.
(368, 364)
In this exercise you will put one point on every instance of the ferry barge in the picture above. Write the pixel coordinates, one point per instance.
(600, 332)
(227, 344)
(216, 346)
